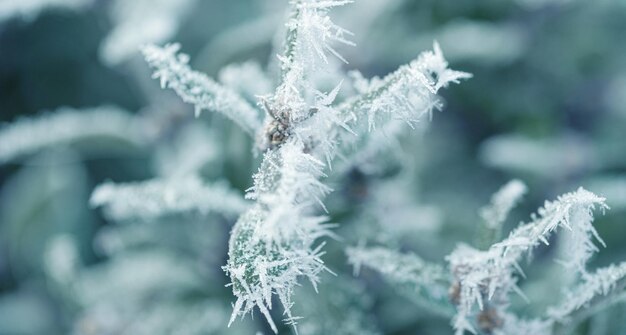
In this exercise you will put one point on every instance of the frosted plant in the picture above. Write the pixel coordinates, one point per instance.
(274, 243)
(139, 22)
(152, 199)
(156, 268)
(485, 278)
(31, 8)
(481, 280)
(66, 126)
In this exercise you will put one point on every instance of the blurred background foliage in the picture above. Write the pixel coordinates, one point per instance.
(547, 105)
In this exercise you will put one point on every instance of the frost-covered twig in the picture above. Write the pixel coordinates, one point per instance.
(487, 277)
(427, 282)
(65, 126)
(196, 88)
(156, 198)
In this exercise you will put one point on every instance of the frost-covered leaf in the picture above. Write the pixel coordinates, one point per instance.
(152, 199)
(273, 243)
